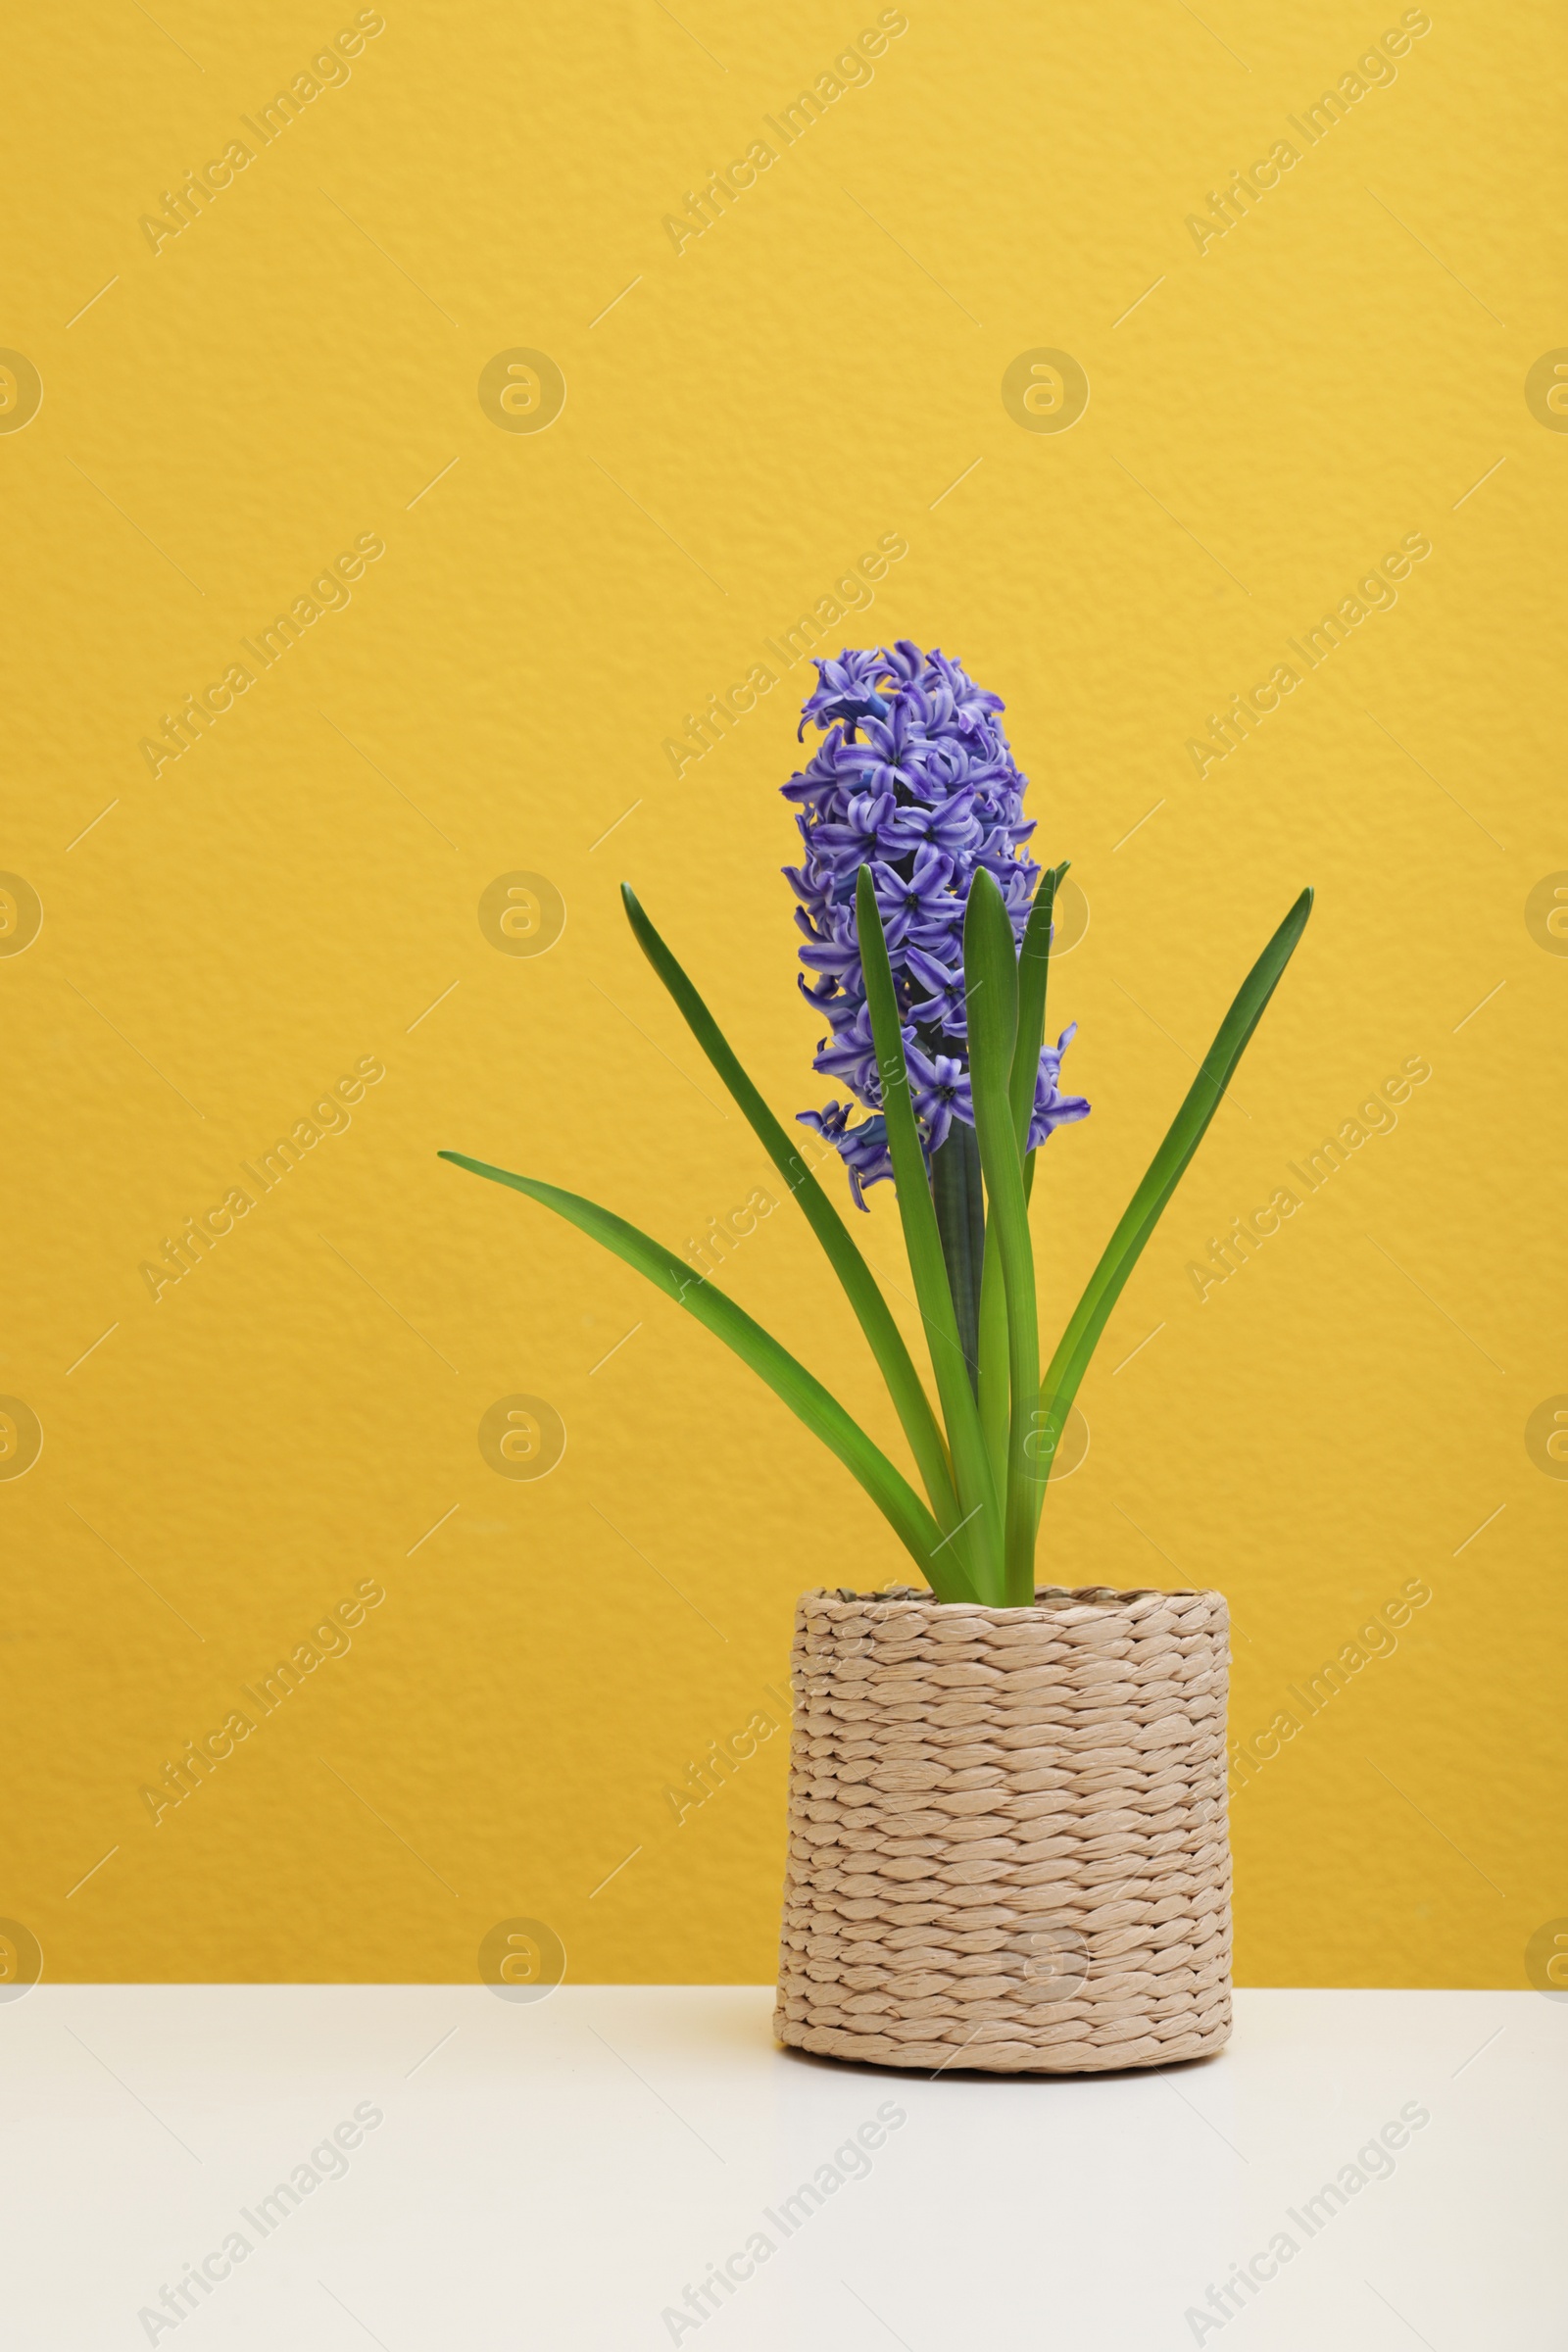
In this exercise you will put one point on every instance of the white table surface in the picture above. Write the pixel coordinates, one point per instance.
(557, 2175)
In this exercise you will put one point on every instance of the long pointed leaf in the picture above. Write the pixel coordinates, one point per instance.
(886, 1344)
(1034, 960)
(959, 1196)
(1166, 1170)
(1034, 966)
(788, 1378)
(977, 1491)
(991, 988)
(995, 1386)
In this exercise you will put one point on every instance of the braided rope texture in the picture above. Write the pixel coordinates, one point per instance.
(1007, 1843)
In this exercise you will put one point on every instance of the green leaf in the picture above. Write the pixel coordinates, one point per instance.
(994, 1416)
(886, 1344)
(1034, 965)
(1034, 958)
(960, 1196)
(977, 1491)
(991, 993)
(1166, 1170)
(789, 1379)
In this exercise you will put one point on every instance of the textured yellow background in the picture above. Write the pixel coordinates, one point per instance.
(298, 369)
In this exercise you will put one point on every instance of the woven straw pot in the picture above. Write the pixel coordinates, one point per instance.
(1008, 1833)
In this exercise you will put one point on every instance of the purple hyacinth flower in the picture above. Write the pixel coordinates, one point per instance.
(847, 689)
(1052, 1109)
(864, 1149)
(913, 777)
(941, 1092)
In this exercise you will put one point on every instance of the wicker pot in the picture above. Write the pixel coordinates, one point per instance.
(1008, 1833)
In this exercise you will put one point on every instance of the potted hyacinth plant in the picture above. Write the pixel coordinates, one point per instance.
(1007, 1837)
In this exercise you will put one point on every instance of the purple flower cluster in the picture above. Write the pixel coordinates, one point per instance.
(915, 779)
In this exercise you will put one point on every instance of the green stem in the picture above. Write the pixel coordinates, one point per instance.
(981, 1542)
(994, 1414)
(990, 981)
(956, 1190)
(1033, 967)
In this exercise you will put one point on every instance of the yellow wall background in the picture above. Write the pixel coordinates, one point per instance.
(298, 893)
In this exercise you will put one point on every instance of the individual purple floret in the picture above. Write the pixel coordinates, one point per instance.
(915, 779)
